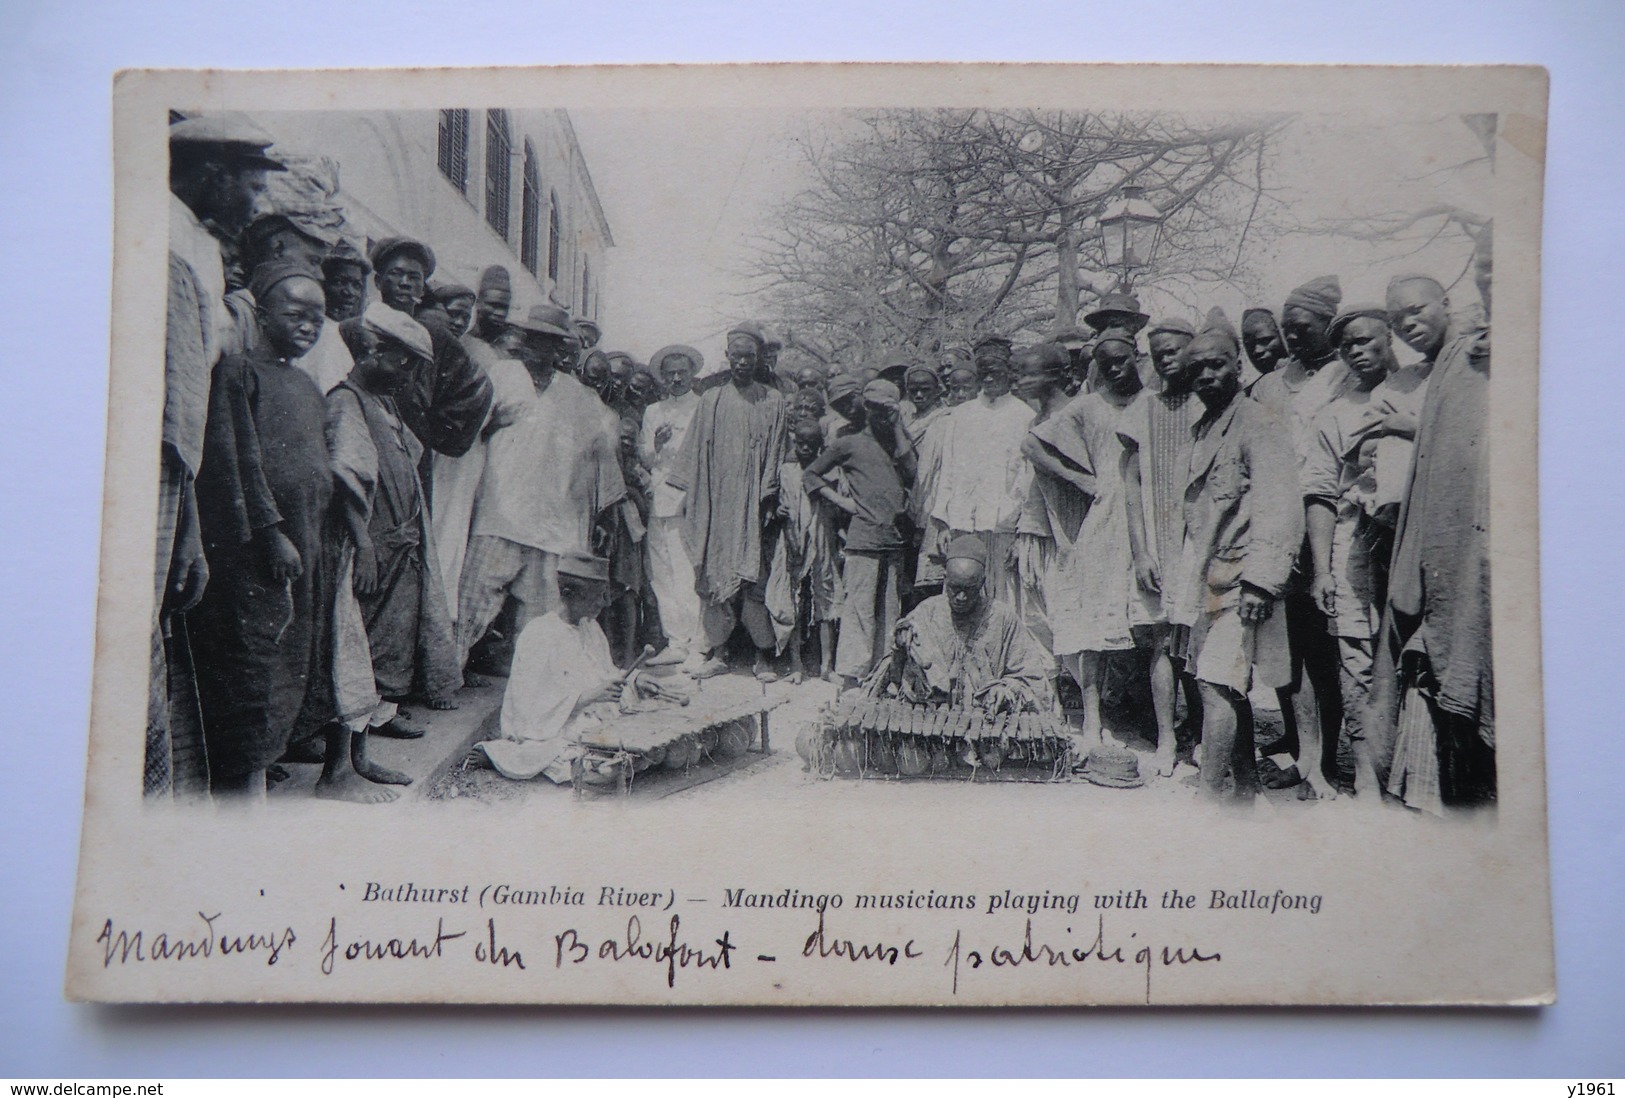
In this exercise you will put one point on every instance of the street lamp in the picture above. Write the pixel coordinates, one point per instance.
(1128, 229)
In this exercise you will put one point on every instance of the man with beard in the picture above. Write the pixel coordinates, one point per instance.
(446, 403)
(1261, 339)
(984, 477)
(1433, 721)
(1243, 531)
(1294, 394)
(729, 467)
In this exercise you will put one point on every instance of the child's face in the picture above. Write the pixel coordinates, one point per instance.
(809, 444)
(291, 318)
(629, 439)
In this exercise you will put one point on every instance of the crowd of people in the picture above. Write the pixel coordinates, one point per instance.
(378, 485)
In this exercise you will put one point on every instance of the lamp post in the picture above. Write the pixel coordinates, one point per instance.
(1129, 228)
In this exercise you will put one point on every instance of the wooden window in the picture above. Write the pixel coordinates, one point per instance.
(553, 233)
(498, 153)
(454, 148)
(530, 211)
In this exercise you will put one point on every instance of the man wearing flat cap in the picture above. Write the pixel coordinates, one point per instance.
(549, 476)
(217, 174)
(386, 563)
(1295, 393)
(446, 404)
(729, 468)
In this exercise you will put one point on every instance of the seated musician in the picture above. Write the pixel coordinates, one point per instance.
(970, 650)
(563, 679)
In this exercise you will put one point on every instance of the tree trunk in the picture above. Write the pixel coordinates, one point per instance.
(1066, 285)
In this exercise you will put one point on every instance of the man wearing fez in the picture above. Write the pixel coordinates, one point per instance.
(217, 171)
(1434, 712)
(263, 493)
(1243, 533)
(729, 468)
(344, 274)
(1294, 394)
(984, 478)
(548, 477)
(446, 403)
(491, 304)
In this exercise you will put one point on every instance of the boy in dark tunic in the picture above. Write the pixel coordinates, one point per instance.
(263, 490)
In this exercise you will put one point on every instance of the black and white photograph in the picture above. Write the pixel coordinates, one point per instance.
(730, 536)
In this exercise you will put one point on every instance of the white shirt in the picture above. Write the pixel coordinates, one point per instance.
(676, 412)
(984, 478)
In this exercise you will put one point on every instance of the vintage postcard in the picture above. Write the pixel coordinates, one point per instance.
(919, 535)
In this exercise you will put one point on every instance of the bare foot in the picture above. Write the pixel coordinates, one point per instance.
(1315, 788)
(440, 705)
(827, 675)
(370, 770)
(354, 788)
(796, 678)
(1164, 762)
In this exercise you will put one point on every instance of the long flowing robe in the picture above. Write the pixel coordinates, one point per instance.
(1438, 614)
(1095, 600)
(408, 627)
(991, 646)
(554, 665)
(176, 758)
(256, 641)
(729, 466)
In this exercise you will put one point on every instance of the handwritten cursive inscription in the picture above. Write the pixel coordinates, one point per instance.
(1066, 955)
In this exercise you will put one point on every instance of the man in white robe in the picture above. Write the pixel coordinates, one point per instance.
(563, 679)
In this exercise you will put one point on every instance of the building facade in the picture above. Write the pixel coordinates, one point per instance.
(479, 186)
